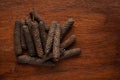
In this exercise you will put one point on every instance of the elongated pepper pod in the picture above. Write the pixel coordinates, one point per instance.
(43, 34)
(71, 52)
(29, 41)
(68, 42)
(22, 38)
(67, 27)
(50, 38)
(17, 42)
(25, 59)
(56, 43)
(36, 39)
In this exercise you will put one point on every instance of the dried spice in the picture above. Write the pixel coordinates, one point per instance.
(32, 60)
(29, 41)
(34, 16)
(68, 42)
(56, 43)
(43, 43)
(70, 53)
(17, 43)
(67, 27)
(50, 38)
(22, 38)
(28, 22)
(43, 34)
(36, 39)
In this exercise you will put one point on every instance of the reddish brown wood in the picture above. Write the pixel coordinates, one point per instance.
(97, 30)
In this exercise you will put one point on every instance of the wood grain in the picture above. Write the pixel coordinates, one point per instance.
(97, 28)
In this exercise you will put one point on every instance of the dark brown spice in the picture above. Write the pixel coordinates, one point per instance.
(34, 16)
(28, 22)
(25, 59)
(29, 41)
(71, 52)
(44, 43)
(43, 34)
(17, 42)
(56, 43)
(66, 27)
(36, 39)
(68, 42)
(23, 43)
(50, 38)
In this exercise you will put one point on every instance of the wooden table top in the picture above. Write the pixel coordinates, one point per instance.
(97, 27)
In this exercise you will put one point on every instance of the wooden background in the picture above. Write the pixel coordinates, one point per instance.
(97, 27)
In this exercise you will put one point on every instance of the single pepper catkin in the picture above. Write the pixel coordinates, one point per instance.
(68, 42)
(29, 41)
(25, 59)
(70, 53)
(43, 34)
(56, 43)
(22, 38)
(17, 42)
(50, 37)
(36, 39)
(66, 27)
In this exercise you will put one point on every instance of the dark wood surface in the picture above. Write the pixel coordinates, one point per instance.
(97, 27)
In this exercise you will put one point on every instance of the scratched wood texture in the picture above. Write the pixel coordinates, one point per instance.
(97, 27)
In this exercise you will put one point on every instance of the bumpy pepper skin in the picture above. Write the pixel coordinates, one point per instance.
(67, 27)
(17, 35)
(68, 42)
(50, 37)
(36, 39)
(29, 41)
(43, 34)
(25, 59)
(56, 43)
(22, 38)
(71, 52)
